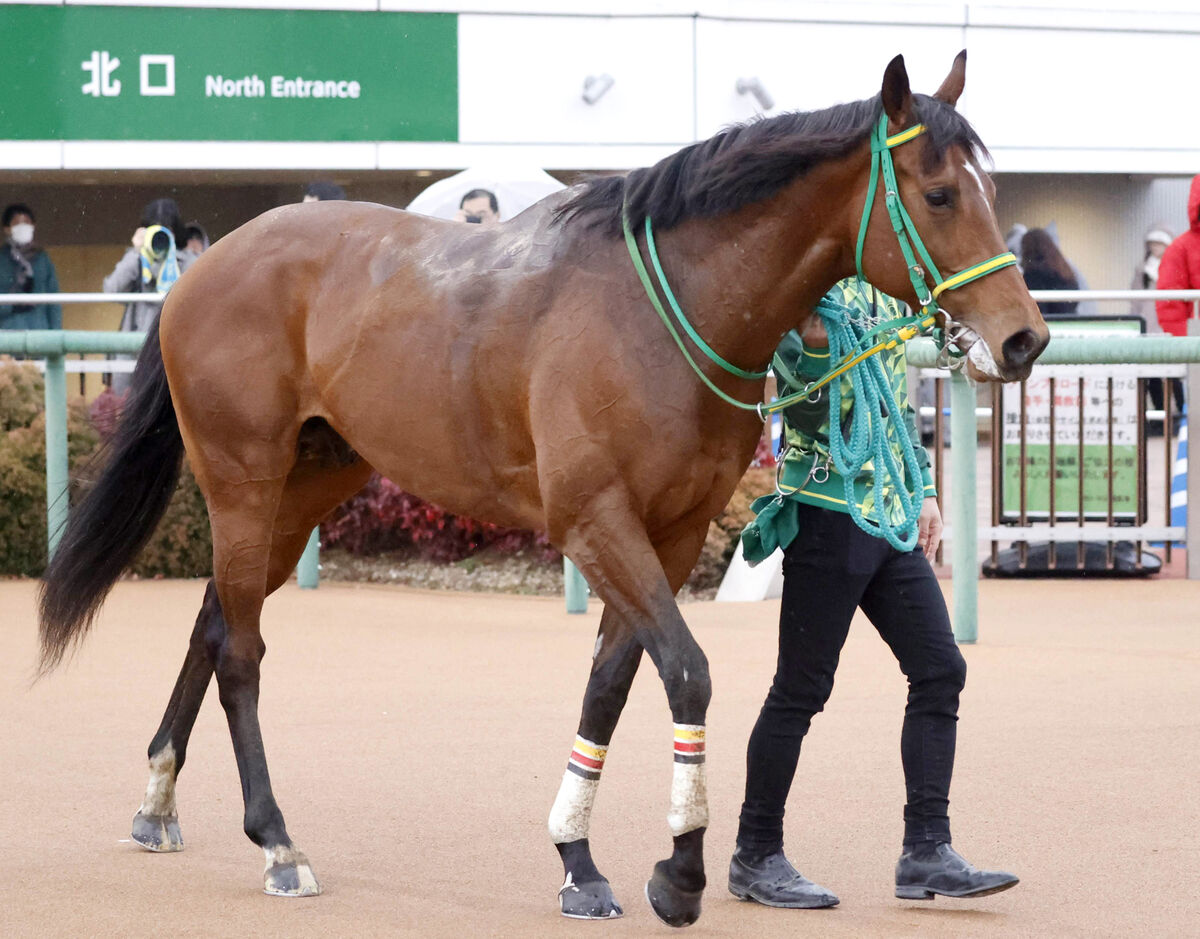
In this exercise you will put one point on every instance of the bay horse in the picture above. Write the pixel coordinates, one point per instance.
(318, 342)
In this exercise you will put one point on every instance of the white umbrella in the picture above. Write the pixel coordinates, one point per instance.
(516, 189)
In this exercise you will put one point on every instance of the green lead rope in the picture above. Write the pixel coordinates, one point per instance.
(874, 410)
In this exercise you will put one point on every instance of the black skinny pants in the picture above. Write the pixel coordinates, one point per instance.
(829, 569)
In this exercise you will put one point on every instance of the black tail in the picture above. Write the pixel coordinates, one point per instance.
(120, 512)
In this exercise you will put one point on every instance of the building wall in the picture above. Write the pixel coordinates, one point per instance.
(1059, 92)
(1059, 86)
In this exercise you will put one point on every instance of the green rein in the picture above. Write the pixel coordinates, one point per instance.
(904, 328)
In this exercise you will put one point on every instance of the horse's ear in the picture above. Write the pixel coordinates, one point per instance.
(952, 87)
(897, 97)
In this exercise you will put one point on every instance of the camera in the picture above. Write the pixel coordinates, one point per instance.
(158, 241)
(475, 219)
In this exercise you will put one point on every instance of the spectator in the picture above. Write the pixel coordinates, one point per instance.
(323, 190)
(150, 265)
(1084, 307)
(1045, 268)
(480, 207)
(1180, 269)
(1145, 274)
(196, 238)
(26, 268)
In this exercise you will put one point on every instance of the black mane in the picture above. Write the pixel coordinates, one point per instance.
(750, 162)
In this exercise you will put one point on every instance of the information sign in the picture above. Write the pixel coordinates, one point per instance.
(176, 73)
(1125, 406)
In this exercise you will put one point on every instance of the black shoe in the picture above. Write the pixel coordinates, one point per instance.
(935, 867)
(773, 881)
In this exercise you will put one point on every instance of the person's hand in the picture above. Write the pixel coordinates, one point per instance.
(138, 238)
(814, 334)
(929, 528)
(460, 215)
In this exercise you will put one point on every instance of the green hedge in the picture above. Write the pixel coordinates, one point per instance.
(182, 545)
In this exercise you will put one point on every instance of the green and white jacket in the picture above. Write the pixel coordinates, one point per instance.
(807, 473)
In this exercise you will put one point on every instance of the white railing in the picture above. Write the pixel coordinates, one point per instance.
(963, 531)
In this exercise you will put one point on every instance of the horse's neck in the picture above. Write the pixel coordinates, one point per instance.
(753, 275)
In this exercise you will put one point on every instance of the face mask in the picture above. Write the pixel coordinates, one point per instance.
(22, 234)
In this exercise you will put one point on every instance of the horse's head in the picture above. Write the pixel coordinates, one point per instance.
(949, 198)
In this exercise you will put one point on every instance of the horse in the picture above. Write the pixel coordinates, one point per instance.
(319, 342)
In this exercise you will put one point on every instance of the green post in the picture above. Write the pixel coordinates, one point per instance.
(575, 587)
(57, 468)
(308, 571)
(964, 548)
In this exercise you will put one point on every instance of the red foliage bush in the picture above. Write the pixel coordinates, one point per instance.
(383, 517)
(764, 455)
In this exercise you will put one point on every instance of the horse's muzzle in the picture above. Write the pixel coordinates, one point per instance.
(1020, 351)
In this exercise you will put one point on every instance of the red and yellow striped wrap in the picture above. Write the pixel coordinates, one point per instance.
(689, 743)
(587, 759)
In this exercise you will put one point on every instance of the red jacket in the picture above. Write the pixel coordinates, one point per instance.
(1180, 269)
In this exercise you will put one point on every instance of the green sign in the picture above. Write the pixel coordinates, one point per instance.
(138, 73)
(1066, 481)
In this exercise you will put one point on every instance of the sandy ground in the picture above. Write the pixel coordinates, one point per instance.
(417, 740)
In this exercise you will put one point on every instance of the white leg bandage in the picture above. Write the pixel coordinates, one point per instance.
(573, 807)
(689, 791)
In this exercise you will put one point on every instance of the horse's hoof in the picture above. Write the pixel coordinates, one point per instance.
(157, 832)
(289, 874)
(592, 900)
(673, 905)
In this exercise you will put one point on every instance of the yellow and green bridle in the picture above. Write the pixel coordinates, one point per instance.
(906, 232)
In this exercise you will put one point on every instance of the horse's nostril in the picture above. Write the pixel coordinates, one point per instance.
(1022, 347)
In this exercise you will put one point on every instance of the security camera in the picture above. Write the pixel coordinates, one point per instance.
(754, 86)
(596, 86)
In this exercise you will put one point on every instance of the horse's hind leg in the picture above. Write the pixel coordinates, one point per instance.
(243, 519)
(156, 824)
(325, 474)
(256, 545)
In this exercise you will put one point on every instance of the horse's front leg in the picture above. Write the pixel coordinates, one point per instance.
(637, 582)
(674, 889)
(585, 892)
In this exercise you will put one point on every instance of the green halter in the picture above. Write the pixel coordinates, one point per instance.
(906, 235)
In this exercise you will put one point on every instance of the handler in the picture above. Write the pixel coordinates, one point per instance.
(832, 565)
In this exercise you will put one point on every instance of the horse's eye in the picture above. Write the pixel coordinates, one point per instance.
(939, 198)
